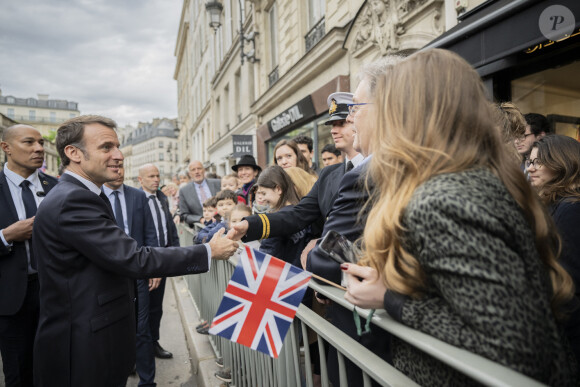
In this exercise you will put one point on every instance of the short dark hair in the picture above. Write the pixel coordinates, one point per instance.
(226, 194)
(71, 132)
(302, 139)
(538, 123)
(330, 148)
(211, 202)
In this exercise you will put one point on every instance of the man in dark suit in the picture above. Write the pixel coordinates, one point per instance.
(86, 330)
(167, 235)
(194, 194)
(132, 213)
(315, 206)
(22, 188)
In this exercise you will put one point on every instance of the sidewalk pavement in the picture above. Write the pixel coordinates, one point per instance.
(176, 371)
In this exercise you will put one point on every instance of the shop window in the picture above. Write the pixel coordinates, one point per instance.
(554, 93)
(315, 129)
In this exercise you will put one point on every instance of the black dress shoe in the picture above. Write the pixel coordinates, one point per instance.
(160, 353)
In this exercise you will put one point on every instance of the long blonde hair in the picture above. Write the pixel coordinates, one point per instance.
(433, 118)
(303, 181)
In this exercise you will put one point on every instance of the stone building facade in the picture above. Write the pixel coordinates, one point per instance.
(43, 113)
(150, 142)
(295, 54)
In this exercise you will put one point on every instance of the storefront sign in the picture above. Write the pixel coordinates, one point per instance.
(294, 115)
(243, 145)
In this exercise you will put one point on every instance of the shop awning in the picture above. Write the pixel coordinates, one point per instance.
(500, 29)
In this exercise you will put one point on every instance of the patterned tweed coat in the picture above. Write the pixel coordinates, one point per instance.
(487, 290)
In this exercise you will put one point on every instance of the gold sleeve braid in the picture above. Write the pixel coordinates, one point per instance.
(265, 226)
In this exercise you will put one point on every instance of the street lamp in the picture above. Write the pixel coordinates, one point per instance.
(214, 8)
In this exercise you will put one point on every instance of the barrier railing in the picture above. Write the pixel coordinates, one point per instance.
(293, 366)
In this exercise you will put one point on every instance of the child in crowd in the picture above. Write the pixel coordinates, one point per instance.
(260, 205)
(279, 191)
(226, 200)
(209, 211)
(230, 182)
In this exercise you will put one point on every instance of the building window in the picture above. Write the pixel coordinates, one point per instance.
(161, 170)
(160, 156)
(10, 100)
(273, 21)
(32, 115)
(10, 113)
(316, 9)
(71, 115)
(160, 144)
(52, 116)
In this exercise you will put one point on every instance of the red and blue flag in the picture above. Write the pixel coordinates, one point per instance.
(260, 302)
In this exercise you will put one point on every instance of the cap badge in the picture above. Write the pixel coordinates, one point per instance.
(333, 107)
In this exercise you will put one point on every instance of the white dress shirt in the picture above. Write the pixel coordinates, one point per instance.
(14, 181)
(111, 196)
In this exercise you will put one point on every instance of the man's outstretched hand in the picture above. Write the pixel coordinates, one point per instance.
(222, 248)
(238, 230)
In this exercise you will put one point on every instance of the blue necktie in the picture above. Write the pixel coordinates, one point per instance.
(119, 211)
(159, 222)
(30, 209)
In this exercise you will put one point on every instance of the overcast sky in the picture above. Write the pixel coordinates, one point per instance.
(113, 57)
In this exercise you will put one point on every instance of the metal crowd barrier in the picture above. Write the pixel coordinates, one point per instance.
(293, 366)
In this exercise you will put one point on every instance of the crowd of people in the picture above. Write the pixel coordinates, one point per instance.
(465, 213)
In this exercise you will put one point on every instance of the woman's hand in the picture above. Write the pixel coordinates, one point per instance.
(365, 287)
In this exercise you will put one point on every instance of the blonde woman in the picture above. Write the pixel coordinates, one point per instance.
(456, 244)
(303, 181)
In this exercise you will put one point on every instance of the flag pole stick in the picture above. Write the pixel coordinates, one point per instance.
(327, 281)
(314, 275)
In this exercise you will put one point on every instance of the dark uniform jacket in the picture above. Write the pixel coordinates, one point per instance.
(313, 207)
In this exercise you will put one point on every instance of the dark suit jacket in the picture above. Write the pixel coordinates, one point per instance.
(345, 218)
(313, 207)
(86, 332)
(172, 235)
(14, 262)
(190, 207)
(139, 217)
(348, 219)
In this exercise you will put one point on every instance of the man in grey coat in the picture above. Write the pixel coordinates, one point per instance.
(192, 196)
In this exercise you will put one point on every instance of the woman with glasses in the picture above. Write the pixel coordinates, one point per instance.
(554, 170)
(456, 243)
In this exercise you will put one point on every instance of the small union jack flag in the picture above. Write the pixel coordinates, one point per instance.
(260, 302)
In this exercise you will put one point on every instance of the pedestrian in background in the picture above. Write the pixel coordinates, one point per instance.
(306, 146)
(247, 171)
(287, 154)
(330, 155)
